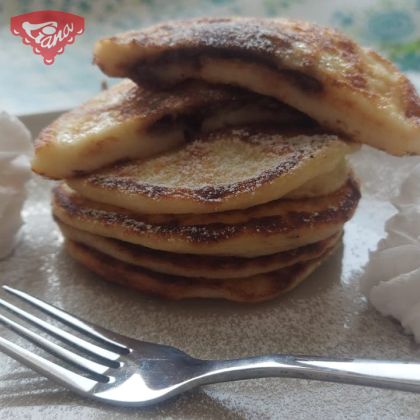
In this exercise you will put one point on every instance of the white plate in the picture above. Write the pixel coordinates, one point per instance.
(326, 315)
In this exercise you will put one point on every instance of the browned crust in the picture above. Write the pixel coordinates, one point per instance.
(334, 209)
(250, 289)
(149, 105)
(267, 41)
(264, 40)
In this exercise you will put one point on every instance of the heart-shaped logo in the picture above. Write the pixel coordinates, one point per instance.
(47, 31)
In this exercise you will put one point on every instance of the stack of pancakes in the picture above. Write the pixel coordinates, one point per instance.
(219, 170)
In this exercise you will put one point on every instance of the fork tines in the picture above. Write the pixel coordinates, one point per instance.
(95, 361)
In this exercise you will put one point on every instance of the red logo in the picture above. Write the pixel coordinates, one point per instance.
(47, 31)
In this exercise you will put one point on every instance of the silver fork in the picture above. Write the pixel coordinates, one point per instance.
(123, 371)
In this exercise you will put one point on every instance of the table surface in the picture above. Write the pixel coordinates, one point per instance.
(29, 86)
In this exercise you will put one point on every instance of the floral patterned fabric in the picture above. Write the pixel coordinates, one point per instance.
(29, 86)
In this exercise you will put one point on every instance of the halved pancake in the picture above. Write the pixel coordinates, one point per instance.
(262, 230)
(316, 70)
(256, 288)
(188, 265)
(127, 122)
(224, 170)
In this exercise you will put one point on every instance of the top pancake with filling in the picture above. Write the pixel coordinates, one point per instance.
(344, 87)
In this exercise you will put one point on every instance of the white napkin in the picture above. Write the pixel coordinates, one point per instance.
(15, 154)
(392, 277)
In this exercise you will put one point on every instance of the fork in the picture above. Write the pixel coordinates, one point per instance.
(120, 370)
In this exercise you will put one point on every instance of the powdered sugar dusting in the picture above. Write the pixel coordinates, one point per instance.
(211, 168)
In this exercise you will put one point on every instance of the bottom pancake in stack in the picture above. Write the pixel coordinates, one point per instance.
(256, 288)
(248, 254)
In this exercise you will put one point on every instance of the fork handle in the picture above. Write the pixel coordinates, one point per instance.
(404, 376)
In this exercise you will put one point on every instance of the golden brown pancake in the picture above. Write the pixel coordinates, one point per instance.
(256, 288)
(188, 265)
(262, 230)
(224, 170)
(127, 122)
(317, 70)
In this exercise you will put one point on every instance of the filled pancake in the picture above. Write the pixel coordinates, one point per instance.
(256, 288)
(273, 227)
(344, 87)
(189, 265)
(128, 122)
(224, 170)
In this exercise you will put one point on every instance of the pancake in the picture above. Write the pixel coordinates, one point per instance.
(224, 170)
(127, 121)
(262, 230)
(319, 71)
(256, 288)
(188, 265)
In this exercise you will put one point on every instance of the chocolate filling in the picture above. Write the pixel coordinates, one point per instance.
(145, 73)
(192, 121)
